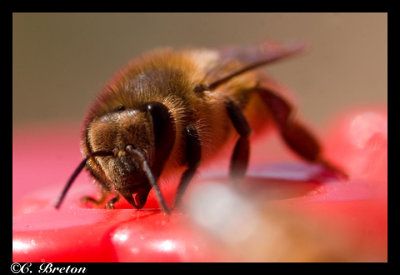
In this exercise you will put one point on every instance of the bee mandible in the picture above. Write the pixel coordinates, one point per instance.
(169, 111)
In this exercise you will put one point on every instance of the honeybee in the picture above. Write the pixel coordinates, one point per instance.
(169, 111)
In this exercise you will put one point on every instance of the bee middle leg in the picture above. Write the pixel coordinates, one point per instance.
(193, 157)
(241, 153)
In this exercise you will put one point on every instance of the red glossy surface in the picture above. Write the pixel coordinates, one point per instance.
(352, 214)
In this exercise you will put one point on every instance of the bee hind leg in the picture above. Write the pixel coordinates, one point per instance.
(241, 152)
(296, 136)
(193, 157)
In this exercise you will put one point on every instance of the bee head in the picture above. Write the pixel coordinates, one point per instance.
(116, 131)
(127, 149)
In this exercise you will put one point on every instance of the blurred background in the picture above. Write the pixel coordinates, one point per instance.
(62, 60)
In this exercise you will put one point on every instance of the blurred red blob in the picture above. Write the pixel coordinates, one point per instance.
(285, 203)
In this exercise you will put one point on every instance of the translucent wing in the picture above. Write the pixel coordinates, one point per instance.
(234, 61)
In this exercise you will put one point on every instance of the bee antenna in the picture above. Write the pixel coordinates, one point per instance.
(149, 175)
(101, 153)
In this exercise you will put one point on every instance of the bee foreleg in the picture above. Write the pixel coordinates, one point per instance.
(110, 203)
(241, 153)
(295, 134)
(95, 201)
(193, 157)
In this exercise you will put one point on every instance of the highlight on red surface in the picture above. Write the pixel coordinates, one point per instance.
(285, 209)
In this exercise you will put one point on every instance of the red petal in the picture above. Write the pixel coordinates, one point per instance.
(305, 213)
